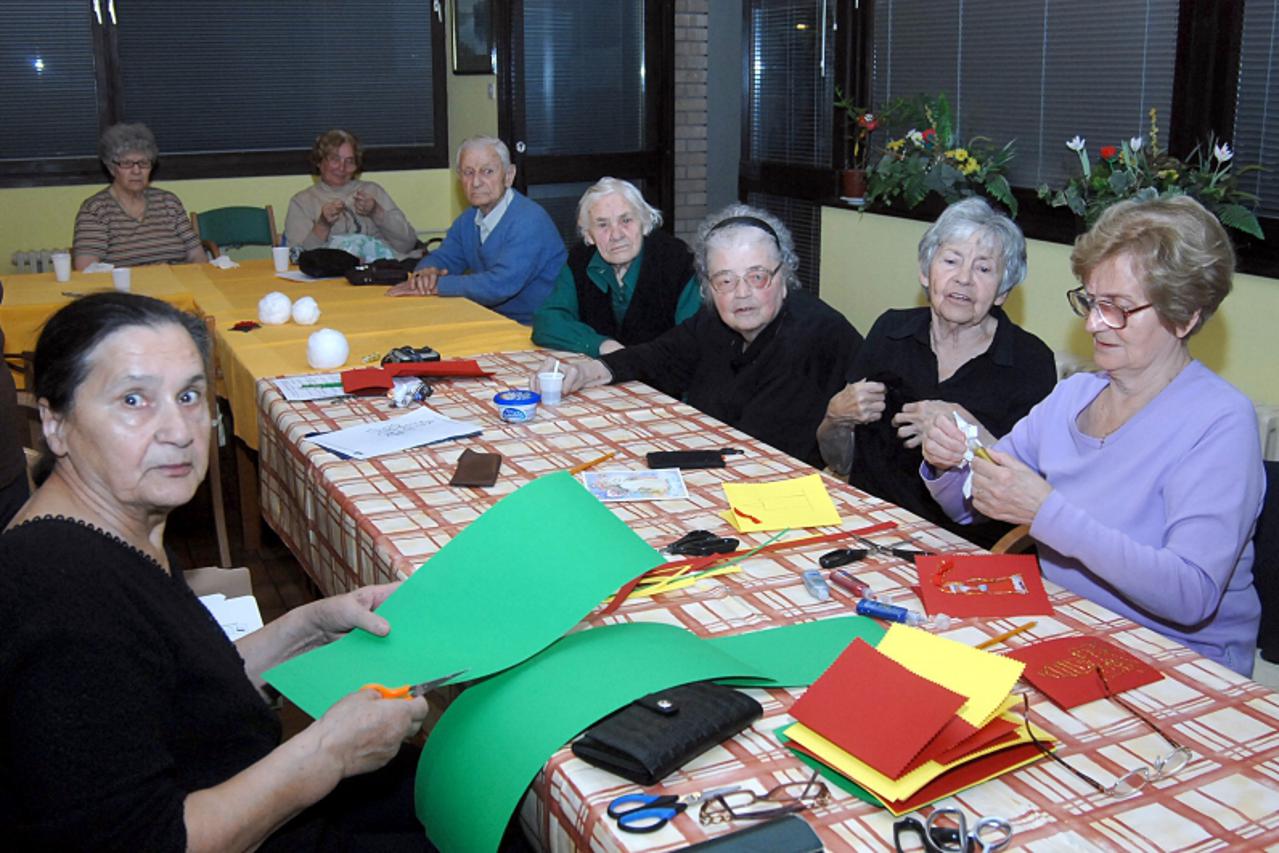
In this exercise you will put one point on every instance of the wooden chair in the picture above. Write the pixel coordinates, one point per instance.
(1015, 541)
(233, 227)
(214, 476)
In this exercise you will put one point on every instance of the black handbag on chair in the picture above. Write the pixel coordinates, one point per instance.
(658, 733)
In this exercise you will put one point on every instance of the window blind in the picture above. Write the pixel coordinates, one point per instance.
(1036, 72)
(1256, 133)
(790, 102)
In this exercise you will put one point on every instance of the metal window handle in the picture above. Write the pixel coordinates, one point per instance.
(111, 11)
(520, 147)
(821, 25)
(439, 10)
(97, 11)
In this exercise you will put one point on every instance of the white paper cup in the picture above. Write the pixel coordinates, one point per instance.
(552, 386)
(62, 265)
(122, 278)
(280, 254)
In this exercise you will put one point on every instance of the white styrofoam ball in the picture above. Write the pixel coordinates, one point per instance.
(327, 349)
(274, 308)
(306, 311)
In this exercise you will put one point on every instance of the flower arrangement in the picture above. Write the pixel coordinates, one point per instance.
(934, 160)
(861, 124)
(1140, 169)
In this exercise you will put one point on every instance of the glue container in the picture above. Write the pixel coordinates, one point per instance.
(893, 613)
(852, 584)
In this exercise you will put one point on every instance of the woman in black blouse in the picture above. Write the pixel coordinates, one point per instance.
(129, 722)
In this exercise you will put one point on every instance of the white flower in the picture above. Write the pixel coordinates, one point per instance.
(915, 136)
(1076, 144)
(1135, 143)
(1222, 152)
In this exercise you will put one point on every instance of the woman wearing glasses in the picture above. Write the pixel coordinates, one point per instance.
(1141, 482)
(761, 355)
(131, 223)
(960, 353)
(341, 211)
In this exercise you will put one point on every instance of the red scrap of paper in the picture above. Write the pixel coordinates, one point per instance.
(458, 367)
(965, 567)
(1065, 669)
(875, 709)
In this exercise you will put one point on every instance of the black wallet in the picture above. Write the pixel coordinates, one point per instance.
(658, 733)
(789, 834)
(476, 469)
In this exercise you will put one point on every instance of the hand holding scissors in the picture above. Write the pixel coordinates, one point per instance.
(412, 691)
(651, 812)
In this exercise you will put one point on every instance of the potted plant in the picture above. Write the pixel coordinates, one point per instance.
(1140, 169)
(859, 125)
(929, 158)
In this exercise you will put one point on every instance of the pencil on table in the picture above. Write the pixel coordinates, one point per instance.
(999, 638)
(577, 469)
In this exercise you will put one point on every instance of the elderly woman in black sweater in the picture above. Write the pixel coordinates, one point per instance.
(761, 354)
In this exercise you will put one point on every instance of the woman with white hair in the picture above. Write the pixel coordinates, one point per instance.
(761, 354)
(131, 223)
(627, 281)
(961, 352)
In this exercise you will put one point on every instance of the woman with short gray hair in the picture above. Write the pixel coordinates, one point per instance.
(625, 283)
(961, 353)
(761, 355)
(131, 223)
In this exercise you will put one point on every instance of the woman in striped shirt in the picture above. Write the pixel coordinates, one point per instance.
(131, 223)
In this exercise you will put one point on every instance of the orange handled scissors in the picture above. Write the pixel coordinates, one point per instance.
(412, 691)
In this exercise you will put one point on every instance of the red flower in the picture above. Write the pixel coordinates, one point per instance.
(1109, 152)
(929, 136)
(867, 122)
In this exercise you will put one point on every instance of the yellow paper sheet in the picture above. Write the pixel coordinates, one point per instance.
(898, 789)
(800, 502)
(985, 678)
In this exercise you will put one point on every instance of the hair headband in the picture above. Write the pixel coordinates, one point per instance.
(753, 221)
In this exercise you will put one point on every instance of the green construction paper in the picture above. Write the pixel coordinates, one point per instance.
(497, 735)
(797, 655)
(830, 774)
(507, 586)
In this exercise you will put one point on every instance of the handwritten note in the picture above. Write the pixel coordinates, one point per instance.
(419, 427)
(313, 386)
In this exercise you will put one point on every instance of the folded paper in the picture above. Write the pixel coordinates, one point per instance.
(982, 585)
(794, 503)
(1065, 669)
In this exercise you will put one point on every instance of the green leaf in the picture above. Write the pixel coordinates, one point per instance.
(997, 186)
(1240, 218)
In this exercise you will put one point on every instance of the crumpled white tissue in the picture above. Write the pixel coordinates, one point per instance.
(274, 308)
(99, 266)
(327, 349)
(224, 262)
(970, 438)
(306, 311)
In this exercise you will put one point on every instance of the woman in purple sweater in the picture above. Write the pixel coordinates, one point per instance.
(1141, 482)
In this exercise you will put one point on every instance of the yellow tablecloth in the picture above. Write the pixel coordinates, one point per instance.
(371, 321)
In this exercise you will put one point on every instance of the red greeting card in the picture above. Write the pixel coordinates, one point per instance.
(982, 585)
(1065, 669)
(372, 380)
(874, 708)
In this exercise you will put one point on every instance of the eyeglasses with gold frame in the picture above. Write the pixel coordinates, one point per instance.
(786, 798)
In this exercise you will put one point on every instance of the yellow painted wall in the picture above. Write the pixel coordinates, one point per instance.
(869, 265)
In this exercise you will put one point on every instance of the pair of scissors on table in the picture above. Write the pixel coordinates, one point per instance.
(651, 812)
(844, 556)
(946, 830)
(412, 691)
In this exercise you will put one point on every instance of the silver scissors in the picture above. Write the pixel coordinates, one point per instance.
(946, 830)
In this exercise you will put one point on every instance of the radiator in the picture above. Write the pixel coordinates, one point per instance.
(1268, 424)
(33, 260)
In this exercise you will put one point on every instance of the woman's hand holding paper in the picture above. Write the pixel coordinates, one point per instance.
(1007, 489)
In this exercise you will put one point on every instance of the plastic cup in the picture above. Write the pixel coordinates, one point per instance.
(552, 385)
(280, 254)
(62, 265)
(122, 278)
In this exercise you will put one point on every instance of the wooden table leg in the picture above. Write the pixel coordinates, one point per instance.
(250, 509)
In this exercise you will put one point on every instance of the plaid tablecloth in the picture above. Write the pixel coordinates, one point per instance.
(352, 523)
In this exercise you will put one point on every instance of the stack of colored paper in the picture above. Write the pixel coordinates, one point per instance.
(913, 720)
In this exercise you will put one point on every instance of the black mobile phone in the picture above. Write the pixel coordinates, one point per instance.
(685, 459)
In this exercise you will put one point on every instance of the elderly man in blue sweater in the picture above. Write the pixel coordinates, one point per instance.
(505, 253)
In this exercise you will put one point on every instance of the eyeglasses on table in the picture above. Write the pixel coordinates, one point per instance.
(786, 798)
(1134, 780)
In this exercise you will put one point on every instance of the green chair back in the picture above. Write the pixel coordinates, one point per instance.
(232, 227)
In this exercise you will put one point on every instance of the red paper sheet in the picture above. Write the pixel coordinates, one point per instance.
(1065, 669)
(367, 380)
(994, 566)
(876, 709)
(944, 752)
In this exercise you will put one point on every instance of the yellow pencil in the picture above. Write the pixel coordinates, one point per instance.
(577, 469)
(999, 638)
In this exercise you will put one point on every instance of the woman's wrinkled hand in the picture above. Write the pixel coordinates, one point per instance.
(1008, 490)
(859, 403)
(913, 420)
(331, 211)
(365, 205)
(943, 445)
(363, 731)
(332, 617)
(578, 374)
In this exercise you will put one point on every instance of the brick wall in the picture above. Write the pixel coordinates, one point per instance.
(690, 116)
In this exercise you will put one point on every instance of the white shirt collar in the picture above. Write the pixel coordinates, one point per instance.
(486, 224)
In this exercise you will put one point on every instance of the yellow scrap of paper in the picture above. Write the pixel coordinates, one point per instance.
(984, 678)
(887, 789)
(799, 502)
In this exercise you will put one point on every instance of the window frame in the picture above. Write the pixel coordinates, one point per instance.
(67, 171)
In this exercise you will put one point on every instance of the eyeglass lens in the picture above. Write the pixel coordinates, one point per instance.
(1111, 314)
(747, 805)
(133, 164)
(757, 277)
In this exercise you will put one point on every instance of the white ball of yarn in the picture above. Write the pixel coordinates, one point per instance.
(327, 349)
(274, 308)
(306, 311)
